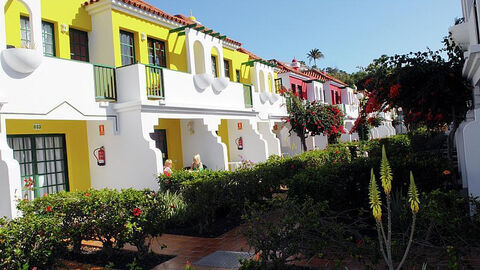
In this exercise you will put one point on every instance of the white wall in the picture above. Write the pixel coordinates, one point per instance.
(100, 39)
(265, 128)
(255, 147)
(199, 137)
(468, 143)
(132, 160)
(10, 179)
(55, 84)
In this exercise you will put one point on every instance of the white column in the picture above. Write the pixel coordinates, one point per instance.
(35, 10)
(10, 178)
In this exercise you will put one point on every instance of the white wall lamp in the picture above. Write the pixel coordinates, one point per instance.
(143, 36)
(64, 28)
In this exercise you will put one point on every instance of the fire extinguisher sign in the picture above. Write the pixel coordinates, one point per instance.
(101, 130)
(239, 125)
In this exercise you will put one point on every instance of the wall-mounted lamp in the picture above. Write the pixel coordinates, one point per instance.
(64, 28)
(143, 36)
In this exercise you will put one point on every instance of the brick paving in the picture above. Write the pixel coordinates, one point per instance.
(188, 248)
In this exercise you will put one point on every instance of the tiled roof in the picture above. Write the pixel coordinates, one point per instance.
(152, 9)
(283, 68)
(323, 76)
(250, 54)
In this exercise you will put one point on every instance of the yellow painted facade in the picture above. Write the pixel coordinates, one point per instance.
(174, 140)
(58, 12)
(176, 49)
(76, 140)
(223, 133)
(72, 14)
(236, 59)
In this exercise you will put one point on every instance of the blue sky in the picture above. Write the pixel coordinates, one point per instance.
(350, 33)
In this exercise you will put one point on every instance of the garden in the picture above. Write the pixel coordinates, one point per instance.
(291, 209)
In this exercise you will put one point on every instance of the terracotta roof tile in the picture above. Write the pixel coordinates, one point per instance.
(323, 76)
(152, 9)
(250, 54)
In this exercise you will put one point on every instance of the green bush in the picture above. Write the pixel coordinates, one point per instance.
(110, 216)
(30, 241)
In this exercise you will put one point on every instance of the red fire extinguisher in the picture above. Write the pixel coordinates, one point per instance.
(239, 142)
(99, 155)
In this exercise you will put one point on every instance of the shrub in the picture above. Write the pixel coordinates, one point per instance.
(284, 231)
(30, 241)
(110, 216)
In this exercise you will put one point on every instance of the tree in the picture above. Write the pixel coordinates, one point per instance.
(315, 54)
(427, 86)
(312, 118)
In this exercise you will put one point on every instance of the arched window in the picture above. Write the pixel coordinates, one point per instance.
(261, 81)
(23, 20)
(215, 62)
(199, 57)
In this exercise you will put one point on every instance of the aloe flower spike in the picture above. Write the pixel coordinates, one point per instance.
(386, 173)
(375, 202)
(413, 196)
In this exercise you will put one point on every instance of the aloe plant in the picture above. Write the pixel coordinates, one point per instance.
(385, 240)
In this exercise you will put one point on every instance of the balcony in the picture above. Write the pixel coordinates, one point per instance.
(58, 88)
(105, 83)
(460, 35)
(157, 86)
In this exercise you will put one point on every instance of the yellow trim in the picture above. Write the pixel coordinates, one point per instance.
(76, 142)
(236, 59)
(174, 140)
(223, 133)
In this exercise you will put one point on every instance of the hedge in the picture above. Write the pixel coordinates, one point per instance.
(338, 174)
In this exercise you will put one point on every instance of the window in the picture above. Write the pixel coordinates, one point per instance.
(25, 31)
(156, 53)
(214, 66)
(294, 88)
(299, 90)
(78, 45)
(48, 34)
(226, 65)
(278, 85)
(237, 73)
(43, 159)
(127, 45)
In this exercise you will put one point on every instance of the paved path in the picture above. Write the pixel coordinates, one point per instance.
(187, 248)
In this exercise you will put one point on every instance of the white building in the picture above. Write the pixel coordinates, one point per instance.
(466, 35)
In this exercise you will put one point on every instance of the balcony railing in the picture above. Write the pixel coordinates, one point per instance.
(247, 94)
(105, 85)
(154, 81)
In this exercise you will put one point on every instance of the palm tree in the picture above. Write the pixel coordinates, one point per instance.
(314, 54)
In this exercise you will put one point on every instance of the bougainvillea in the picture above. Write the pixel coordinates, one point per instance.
(427, 86)
(313, 118)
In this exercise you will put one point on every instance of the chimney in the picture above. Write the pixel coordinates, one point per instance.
(295, 64)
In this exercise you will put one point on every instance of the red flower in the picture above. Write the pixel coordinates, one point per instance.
(49, 209)
(172, 206)
(137, 212)
(359, 242)
(87, 194)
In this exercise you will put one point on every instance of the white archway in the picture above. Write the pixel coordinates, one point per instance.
(199, 56)
(34, 11)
